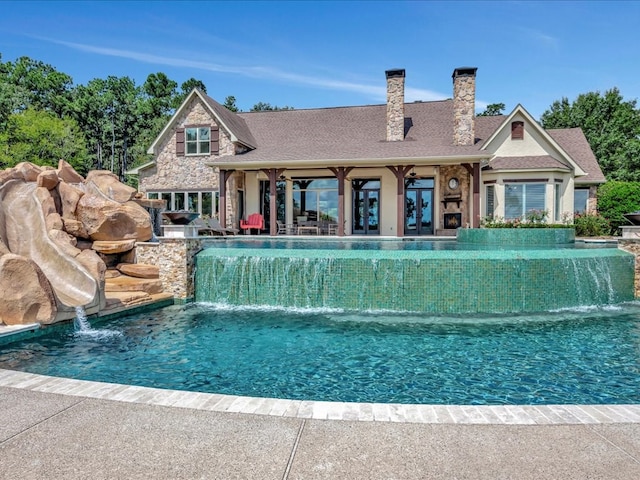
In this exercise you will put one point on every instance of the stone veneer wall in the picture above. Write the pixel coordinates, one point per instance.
(446, 173)
(173, 172)
(464, 102)
(633, 246)
(176, 259)
(395, 106)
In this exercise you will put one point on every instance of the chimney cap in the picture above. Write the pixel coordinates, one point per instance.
(396, 72)
(464, 71)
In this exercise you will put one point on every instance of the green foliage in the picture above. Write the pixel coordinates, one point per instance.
(492, 110)
(230, 103)
(591, 225)
(109, 122)
(264, 107)
(617, 198)
(42, 138)
(611, 126)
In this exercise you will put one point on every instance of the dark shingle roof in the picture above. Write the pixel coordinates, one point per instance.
(525, 163)
(233, 122)
(573, 141)
(352, 133)
(358, 133)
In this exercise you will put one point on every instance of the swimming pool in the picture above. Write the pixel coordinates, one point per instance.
(587, 356)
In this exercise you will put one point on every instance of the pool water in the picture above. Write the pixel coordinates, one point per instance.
(590, 356)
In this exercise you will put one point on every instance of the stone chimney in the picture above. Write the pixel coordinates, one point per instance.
(395, 105)
(464, 105)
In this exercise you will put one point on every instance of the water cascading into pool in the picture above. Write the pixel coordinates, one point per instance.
(431, 281)
(82, 327)
(81, 322)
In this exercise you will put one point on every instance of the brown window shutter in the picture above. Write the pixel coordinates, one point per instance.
(180, 141)
(215, 140)
(517, 130)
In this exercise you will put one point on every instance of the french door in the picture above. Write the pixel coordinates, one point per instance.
(366, 207)
(418, 206)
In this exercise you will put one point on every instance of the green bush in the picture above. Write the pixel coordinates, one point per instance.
(591, 225)
(617, 198)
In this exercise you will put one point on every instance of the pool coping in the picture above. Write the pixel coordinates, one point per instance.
(319, 410)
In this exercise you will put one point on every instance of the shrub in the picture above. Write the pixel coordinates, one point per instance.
(591, 225)
(532, 219)
(617, 198)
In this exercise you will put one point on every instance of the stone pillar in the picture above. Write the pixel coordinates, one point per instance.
(175, 257)
(395, 105)
(632, 245)
(464, 105)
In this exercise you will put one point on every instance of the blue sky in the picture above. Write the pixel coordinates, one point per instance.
(334, 53)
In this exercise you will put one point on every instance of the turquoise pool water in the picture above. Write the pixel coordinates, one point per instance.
(586, 356)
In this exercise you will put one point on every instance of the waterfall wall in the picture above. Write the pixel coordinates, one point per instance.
(456, 281)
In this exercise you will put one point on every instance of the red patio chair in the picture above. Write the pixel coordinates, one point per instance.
(255, 220)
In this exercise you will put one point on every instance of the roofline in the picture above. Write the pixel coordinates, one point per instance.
(578, 171)
(341, 162)
(144, 166)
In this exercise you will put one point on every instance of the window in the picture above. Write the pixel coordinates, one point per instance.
(556, 210)
(520, 198)
(202, 202)
(580, 199)
(517, 130)
(316, 198)
(490, 207)
(198, 140)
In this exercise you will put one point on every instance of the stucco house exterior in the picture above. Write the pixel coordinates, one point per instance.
(397, 169)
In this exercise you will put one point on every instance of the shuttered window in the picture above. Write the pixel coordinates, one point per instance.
(198, 140)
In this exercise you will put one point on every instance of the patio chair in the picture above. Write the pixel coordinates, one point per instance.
(285, 229)
(214, 224)
(255, 220)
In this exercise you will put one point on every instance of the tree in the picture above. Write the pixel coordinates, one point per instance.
(40, 137)
(186, 89)
(611, 126)
(230, 103)
(264, 107)
(492, 110)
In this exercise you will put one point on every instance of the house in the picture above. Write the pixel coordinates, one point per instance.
(421, 168)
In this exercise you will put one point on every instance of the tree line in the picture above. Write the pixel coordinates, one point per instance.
(107, 124)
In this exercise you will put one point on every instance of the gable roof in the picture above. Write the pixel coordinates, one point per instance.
(231, 122)
(357, 135)
(519, 110)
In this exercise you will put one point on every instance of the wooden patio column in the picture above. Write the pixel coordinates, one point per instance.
(341, 174)
(474, 171)
(273, 174)
(222, 188)
(400, 172)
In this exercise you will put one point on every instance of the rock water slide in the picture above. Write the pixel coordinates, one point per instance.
(25, 234)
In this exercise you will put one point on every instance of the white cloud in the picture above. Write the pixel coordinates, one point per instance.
(377, 93)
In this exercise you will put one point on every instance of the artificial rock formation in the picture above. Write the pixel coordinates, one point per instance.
(49, 221)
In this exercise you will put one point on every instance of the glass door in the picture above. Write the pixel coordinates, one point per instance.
(366, 207)
(419, 206)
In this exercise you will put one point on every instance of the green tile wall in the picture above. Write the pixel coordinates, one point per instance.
(419, 281)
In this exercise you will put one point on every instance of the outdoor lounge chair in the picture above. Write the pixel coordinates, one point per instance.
(255, 220)
(203, 227)
(214, 224)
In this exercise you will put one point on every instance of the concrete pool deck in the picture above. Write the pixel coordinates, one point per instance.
(61, 428)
